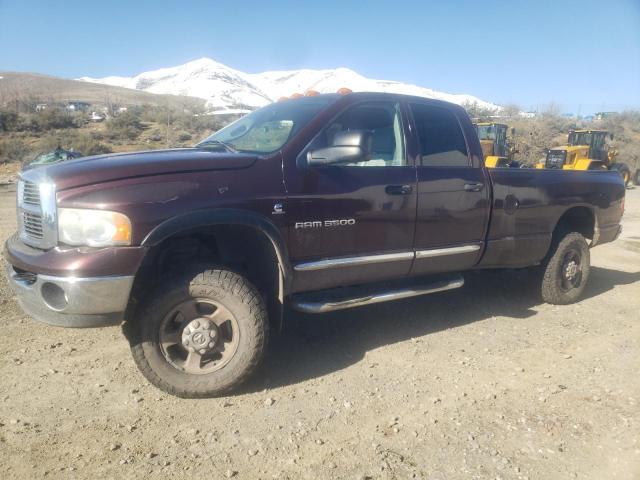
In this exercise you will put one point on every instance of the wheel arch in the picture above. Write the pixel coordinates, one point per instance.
(224, 236)
(579, 218)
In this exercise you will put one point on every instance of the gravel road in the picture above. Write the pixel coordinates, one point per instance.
(481, 382)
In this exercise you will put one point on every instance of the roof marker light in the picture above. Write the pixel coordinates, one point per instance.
(344, 91)
(296, 95)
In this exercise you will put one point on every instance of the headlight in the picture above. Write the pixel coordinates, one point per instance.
(93, 228)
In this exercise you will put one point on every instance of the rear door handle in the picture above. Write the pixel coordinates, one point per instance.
(398, 189)
(473, 187)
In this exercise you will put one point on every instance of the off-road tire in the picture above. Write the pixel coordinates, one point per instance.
(552, 289)
(238, 295)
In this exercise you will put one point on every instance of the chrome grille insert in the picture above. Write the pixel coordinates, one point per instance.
(31, 193)
(32, 223)
(37, 225)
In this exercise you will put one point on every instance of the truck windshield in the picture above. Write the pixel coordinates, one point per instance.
(580, 138)
(268, 129)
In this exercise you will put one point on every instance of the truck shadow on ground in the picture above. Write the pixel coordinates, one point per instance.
(312, 346)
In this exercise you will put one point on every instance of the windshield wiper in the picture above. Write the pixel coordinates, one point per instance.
(228, 146)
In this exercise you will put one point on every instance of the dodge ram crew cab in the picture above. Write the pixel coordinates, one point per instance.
(316, 203)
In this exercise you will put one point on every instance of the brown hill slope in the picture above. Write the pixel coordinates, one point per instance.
(37, 88)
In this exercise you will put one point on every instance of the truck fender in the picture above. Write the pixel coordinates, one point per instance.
(228, 216)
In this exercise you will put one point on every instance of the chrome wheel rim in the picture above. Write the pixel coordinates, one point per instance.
(199, 336)
(571, 271)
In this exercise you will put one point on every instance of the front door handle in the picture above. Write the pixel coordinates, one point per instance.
(398, 189)
(473, 187)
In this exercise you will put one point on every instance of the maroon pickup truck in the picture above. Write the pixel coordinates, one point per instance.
(318, 203)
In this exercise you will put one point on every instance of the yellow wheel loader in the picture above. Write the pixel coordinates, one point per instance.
(497, 150)
(586, 150)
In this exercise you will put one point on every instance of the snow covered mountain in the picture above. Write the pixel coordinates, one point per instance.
(226, 88)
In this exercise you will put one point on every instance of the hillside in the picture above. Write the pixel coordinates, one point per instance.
(43, 88)
(224, 87)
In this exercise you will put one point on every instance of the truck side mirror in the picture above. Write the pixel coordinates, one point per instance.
(347, 147)
(513, 131)
(611, 136)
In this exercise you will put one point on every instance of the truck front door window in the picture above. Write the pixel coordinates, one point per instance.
(384, 122)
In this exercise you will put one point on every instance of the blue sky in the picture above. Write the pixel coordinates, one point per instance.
(580, 54)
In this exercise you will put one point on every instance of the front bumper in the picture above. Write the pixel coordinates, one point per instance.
(71, 301)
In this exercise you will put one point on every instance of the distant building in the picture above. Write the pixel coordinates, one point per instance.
(97, 117)
(603, 115)
(227, 114)
(41, 106)
(78, 106)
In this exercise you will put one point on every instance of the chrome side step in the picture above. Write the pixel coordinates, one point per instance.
(349, 297)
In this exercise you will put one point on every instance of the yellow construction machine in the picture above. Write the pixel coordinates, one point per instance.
(586, 150)
(498, 151)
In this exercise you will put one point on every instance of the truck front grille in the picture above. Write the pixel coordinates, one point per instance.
(37, 225)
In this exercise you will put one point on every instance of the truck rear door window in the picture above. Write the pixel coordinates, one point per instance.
(442, 143)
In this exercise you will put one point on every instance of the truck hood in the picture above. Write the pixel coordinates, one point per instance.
(105, 168)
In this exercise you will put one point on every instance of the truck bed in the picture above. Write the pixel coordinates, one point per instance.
(527, 204)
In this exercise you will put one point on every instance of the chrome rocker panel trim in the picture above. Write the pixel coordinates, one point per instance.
(440, 252)
(383, 258)
(352, 261)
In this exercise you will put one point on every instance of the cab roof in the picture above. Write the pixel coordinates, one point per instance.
(381, 96)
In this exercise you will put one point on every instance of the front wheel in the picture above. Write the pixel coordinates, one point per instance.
(201, 335)
(566, 270)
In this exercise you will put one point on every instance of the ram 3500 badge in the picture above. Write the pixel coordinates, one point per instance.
(343, 222)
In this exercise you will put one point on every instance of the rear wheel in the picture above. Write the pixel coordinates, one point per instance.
(202, 334)
(566, 270)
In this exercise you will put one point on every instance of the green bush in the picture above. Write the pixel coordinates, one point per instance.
(155, 114)
(87, 145)
(13, 150)
(200, 125)
(126, 125)
(53, 119)
(184, 136)
(9, 121)
(156, 135)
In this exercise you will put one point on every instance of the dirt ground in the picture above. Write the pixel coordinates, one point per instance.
(481, 382)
